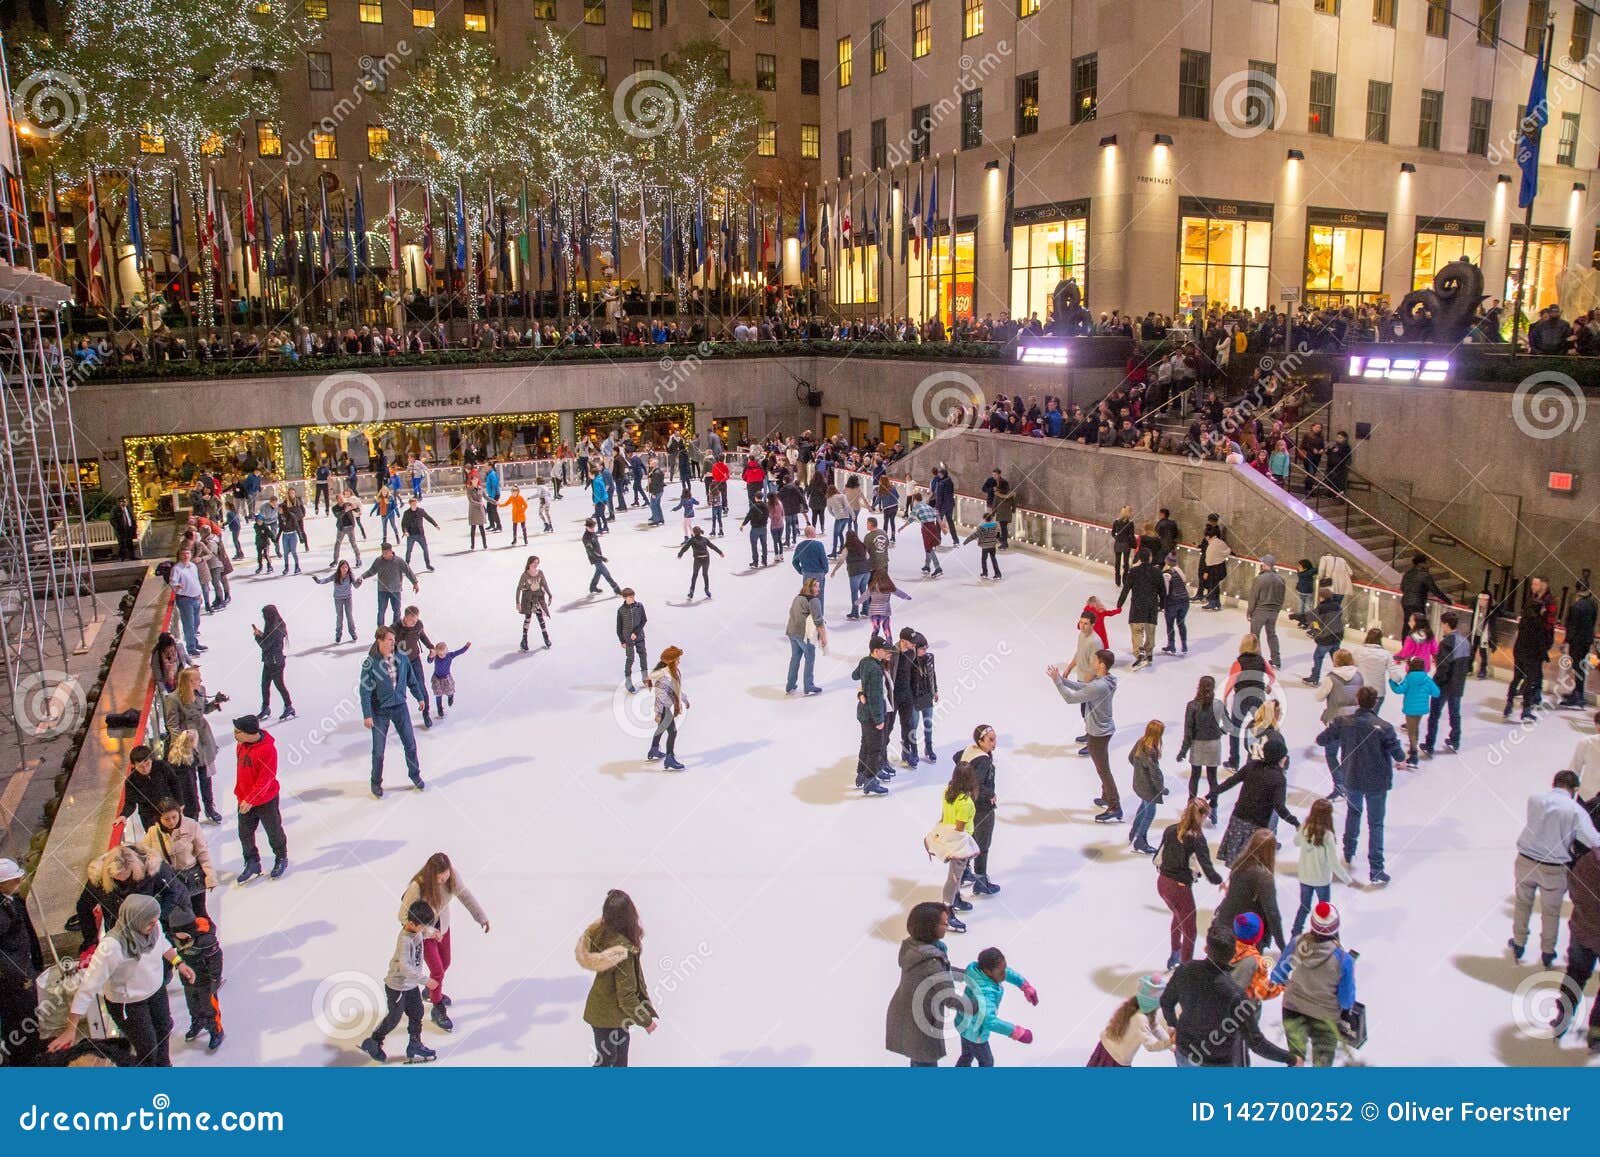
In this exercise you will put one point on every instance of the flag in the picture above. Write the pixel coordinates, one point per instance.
(502, 248)
(955, 187)
(802, 234)
(726, 228)
(700, 231)
(306, 262)
(916, 218)
(460, 264)
(393, 225)
(225, 265)
(325, 241)
(538, 222)
(252, 252)
(524, 257)
(269, 264)
(427, 230)
(824, 260)
(669, 238)
(363, 258)
(135, 224)
(290, 250)
(933, 205)
(846, 234)
(96, 255)
(644, 236)
(616, 233)
(209, 242)
(778, 234)
(486, 254)
(1534, 118)
(877, 217)
(349, 244)
(174, 214)
(1011, 196)
(752, 254)
(588, 268)
(889, 229)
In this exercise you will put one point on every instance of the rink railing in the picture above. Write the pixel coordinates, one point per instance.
(1366, 606)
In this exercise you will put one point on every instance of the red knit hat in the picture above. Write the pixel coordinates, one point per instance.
(1325, 919)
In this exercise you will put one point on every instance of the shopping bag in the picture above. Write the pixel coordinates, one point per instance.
(947, 842)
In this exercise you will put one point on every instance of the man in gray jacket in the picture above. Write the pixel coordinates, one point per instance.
(1266, 604)
(392, 572)
(1096, 696)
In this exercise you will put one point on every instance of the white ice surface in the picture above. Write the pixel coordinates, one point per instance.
(773, 896)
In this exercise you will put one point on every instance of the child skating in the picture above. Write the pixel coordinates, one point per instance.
(443, 682)
(345, 581)
(519, 515)
(402, 988)
(686, 503)
(985, 981)
(1137, 1023)
(988, 536)
(880, 589)
(702, 548)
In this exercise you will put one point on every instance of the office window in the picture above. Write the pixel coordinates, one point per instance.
(810, 142)
(269, 143)
(643, 66)
(921, 132)
(766, 72)
(644, 17)
(319, 71)
(1027, 8)
(152, 141)
(594, 11)
(324, 146)
(1326, 7)
(422, 13)
(727, 64)
(972, 119)
(921, 28)
(475, 15)
(1085, 86)
(1538, 17)
(1194, 84)
(1027, 104)
(375, 76)
(1322, 92)
(598, 64)
(880, 144)
(767, 141)
(1478, 126)
(1378, 111)
(1383, 12)
(971, 18)
(878, 49)
(846, 161)
(213, 146)
(1567, 150)
(377, 142)
(316, 9)
(846, 55)
(766, 11)
(810, 72)
(662, 11)
(1432, 119)
(1260, 100)
(372, 11)
(808, 13)
(1582, 29)
(546, 9)
(1488, 22)
(1438, 17)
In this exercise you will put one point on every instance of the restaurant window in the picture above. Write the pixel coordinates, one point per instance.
(767, 141)
(1383, 12)
(1322, 92)
(319, 71)
(1223, 255)
(846, 160)
(878, 49)
(879, 144)
(810, 76)
(810, 142)
(1085, 85)
(422, 14)
(972, 119)
(766, 72)
(1582, 30)
(1567, 149)
(1344, 261)
(1439, 246)
(921, 28)
(269, 142)
(1431, 121)
(644, 16)
(1438, 18)
(1533, 34)
(1378, 111)
(971, 18)
(1194, 84)
(1478, 126)
(1488, 22)
(939, 281)
(846, 59)
(1027, 104)
(1043, 255)
(921, 132)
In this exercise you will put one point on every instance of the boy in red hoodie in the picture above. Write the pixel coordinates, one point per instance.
(256, 788)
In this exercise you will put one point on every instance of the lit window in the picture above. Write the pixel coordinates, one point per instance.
(766, 72)
(921, 28)
(1085, 85)
(422, 13)
(1326, 7)
(372, 11)
(846, 55)
(767, 142)
(879, 50)
(319, 71)
(212, 146)
(475, 16)
(810, 142)
(594, 11)
(971, 18)
(1383, 12)
(766, 11)
(316, 9)
(152, 140)
(1027, 8)
(377, 142)
(718, 8)
(643, 15)
(544, 9)
(268, 142)
(324, 146)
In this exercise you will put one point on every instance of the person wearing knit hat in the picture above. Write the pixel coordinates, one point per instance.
(1136, 1023)
(1250, 971)
(1214, 1022)
(247, 725)
(670, 702)
(1319, 979)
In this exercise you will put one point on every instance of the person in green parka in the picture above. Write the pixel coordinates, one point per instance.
(618, 998)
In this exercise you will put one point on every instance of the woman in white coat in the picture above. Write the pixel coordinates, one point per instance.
(437, 884)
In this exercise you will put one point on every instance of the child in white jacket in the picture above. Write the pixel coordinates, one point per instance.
(1320, 862)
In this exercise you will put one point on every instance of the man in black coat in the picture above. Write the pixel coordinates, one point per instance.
(1146, 587)
(1215, 1021)
(905, 664)
(150, 783)
(1536, 633)
(1450, 671)
(416, 534)
(1417, 587)
(1579, 625)
(20, 964)
(126, 528)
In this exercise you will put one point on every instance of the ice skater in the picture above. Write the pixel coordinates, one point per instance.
(443, 681)
(686, 503)
(880, 590)
(411, 525)
(533, 600)
(702, 548)
(631, 619)
(402, 987)
(979, 1017)
(436, 885)
(387, 676)
(591, 550)
(271, 637)
(345, 581)
(519, 515)
(477, 518)
(541, 498)
(666, 682)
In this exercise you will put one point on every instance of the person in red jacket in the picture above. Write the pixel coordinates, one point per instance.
(1099, 612)
(256, 788)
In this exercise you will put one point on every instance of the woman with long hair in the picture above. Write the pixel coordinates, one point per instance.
(1148, 784)
(345, 581)
(958, 810)
(437, 884)
(166, 662)
(1181, 843)
(839, 507)
(272, 636)
(1202, 736)
(533, 599)
(888, 500)
(1320, 862)
(1252, 886)
(857, 563)
(185, 710)
(666, 684)
(1136, 1023)
(618, 998)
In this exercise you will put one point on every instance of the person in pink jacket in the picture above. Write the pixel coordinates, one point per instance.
(1419, 643)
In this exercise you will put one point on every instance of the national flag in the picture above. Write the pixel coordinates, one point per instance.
(700, 239)
(503, 247)
(802, 234)
(644, 236)
(933, 206)
(175, 216)
(209, 241)
(752, 239)
(269, 264)
(586, 251)
(135, 224)
(669, 238)
(524, 257)
(393, 225)
(538, 223)
(846, 234)
(363, 258)
(1011, 197)
(252, 251)
(325, 241)
(616, 232)
(290, 248)
(306, 262)
(349, 244)
(824, 259)
(225, 265)
(916, 218)
(1534, 117)
(460, 264)
(427, 230)
(96, 253)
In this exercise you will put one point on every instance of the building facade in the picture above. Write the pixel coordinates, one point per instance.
(1237, 152)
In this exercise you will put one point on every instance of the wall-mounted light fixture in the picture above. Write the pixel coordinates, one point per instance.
(1163, 139)
(1407, 167)
(991, 165)
(1296, 155)
(1109, 142)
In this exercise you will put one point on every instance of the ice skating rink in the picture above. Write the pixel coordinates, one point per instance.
(773, 896)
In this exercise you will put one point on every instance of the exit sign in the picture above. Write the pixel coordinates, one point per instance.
(1562, 482)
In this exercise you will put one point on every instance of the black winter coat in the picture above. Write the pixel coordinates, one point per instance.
(1147, 587)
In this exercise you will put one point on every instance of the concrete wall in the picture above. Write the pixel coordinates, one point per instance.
(1478, 461)
(1093, 484)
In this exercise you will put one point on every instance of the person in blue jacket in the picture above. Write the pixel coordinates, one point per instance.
(810, 561)
(980, 1012)
(1417, 691)
(599, 493)
(386, 676)
(491, 491)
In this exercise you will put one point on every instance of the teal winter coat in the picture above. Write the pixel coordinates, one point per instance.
(1418, 689)
(983, 998)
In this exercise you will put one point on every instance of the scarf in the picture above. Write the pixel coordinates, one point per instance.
(136, 911)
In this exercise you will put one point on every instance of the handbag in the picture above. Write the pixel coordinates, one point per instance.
(1353, 1025)
(193, 877)
(947, 842)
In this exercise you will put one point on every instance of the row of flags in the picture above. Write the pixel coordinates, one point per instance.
(732, 233)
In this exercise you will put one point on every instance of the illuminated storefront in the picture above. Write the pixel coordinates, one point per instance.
(1344, 258)
(656, 424)
(529, 435)
(1224, 248)
(1441, 240)
(159, 464)
(1547, 257)
(1049, 243)
(935, 282)
(856, 282)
